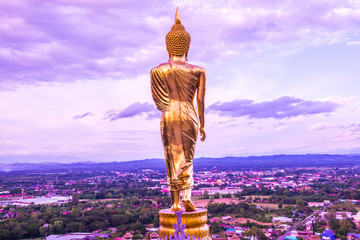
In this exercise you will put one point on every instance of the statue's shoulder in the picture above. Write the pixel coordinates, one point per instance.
(196, 68)
(162, 67)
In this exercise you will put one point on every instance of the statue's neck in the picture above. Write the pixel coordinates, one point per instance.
(178, 59)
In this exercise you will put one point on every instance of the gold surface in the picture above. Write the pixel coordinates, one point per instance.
(195, 223)
(178, 39)
(173, 86)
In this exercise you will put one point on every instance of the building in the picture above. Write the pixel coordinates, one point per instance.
(290, 238)
(227, 218)
(153, 236)
(69, 236)
(41, 200)
(328, 235)
(282, 227)
(352, 236)
(230, 234)
(316, 204)
(215, 190)
(78, 236)
(282, 219)
(357, 220)
(127, 236)
(343, 215)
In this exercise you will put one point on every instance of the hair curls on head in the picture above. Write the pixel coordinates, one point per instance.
(178, 40)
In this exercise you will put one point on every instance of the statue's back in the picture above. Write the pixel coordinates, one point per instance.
(181, 80)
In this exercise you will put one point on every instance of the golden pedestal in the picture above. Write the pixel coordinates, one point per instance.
(195, 223)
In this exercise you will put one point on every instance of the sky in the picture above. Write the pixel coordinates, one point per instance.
(282, 77)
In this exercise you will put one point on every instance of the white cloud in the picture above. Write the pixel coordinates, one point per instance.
(323, 126)
(353, 43)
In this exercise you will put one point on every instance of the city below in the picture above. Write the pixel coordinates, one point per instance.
(290, 202)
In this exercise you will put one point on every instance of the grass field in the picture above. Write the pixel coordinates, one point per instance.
(101, 200)
(203, 202)
(198, 202)
(257, 196)
(241, 221)
(268, 205)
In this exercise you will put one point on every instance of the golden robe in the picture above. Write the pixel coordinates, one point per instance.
(173, 91)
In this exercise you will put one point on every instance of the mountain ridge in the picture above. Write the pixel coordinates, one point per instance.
(203, 163)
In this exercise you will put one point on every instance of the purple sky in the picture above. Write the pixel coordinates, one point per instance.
(283, 76)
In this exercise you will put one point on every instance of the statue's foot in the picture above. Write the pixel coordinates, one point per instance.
(175, 207)
(188, 205)
(175, 201)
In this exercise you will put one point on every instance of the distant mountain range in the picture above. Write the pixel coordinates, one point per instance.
(225, 163)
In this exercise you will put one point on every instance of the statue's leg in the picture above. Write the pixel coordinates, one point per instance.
(175, 200)
(189, 183)
(188, 204)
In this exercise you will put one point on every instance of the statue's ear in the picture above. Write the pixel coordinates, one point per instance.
(186, 56)
(169, 57)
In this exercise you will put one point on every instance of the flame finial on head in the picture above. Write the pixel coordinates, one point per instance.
(178, 40)
(177, 16)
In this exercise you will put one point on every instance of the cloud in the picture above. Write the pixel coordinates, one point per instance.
(349, 132)
(352, 134)
(323, 126)
(88, 114)
(133, 110)
(348, 136)
(245, 25)
(285, 123)
(91, 40)
(283, 107)
(353, 43)
(77, 40)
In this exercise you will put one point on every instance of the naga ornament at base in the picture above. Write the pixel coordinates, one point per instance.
(190, 224)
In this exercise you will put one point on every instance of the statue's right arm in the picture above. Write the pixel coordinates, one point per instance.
(201, 103)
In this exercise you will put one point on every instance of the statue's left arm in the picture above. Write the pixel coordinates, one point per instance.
(201, 103)
(159, 89)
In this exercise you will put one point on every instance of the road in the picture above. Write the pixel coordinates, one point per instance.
(287, 233)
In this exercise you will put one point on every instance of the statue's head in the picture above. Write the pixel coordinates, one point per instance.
(178, 40)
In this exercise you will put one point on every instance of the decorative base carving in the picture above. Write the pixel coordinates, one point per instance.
(195, 223)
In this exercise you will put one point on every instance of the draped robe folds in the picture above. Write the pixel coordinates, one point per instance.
(173, 91)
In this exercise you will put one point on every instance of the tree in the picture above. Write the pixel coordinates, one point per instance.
(97, 225)
(49, 230)
(137, 236)
(58, 227)
(75, 199)
(117, 220)
(206, 195)
(75, 227)
(5, 234)
(256, 232)
(228, 195)
(215, 228)
(334, 224)
(301, 227)
(300, 203)
(346, 226)
(32, 227)
(17, 231)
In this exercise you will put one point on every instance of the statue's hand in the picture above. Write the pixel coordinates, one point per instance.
(202, 134)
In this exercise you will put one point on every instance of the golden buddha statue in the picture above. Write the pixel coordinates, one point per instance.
(173, 87)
